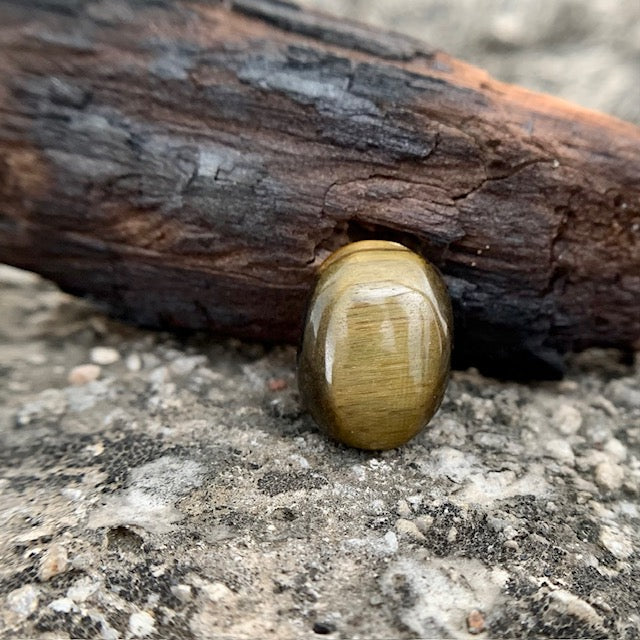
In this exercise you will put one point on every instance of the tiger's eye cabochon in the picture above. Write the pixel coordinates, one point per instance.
(374, 359)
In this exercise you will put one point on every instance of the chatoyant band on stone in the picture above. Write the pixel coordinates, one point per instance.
(374, 360)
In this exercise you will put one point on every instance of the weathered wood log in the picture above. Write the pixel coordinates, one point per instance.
(189, 164)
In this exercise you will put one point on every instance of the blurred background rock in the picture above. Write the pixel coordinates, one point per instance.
(586, 51)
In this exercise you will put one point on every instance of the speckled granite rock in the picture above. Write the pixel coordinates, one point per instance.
(182, 493)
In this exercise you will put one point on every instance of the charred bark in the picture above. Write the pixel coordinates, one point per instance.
(189, 164)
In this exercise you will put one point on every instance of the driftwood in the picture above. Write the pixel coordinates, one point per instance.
(189, 164)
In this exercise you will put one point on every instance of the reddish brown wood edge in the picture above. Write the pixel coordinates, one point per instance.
(189, 164)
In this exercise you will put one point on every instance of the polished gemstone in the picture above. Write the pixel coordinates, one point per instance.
(374, 359)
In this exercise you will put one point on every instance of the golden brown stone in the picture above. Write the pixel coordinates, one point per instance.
(374, 359)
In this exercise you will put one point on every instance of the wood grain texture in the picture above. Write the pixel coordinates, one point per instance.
(190, 164)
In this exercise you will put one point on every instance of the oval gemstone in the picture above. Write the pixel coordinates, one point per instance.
(374, 359)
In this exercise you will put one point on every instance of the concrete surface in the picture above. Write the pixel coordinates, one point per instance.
(157, 486)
